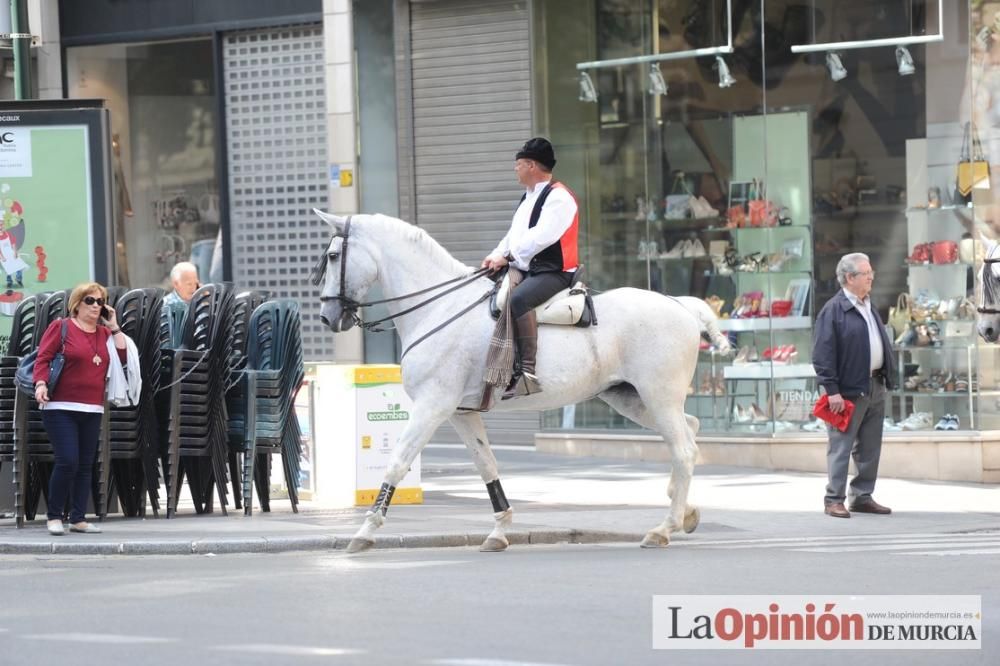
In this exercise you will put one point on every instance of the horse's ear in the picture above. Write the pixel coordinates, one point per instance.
(335, 221)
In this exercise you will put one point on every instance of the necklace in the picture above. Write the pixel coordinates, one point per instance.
(93, 345)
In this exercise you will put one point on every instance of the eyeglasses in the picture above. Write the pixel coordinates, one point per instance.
(870, 274)
(90, 300)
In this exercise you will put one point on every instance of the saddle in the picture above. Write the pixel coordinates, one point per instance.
(569, 307)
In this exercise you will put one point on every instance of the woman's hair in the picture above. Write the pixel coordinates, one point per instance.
(81, 290)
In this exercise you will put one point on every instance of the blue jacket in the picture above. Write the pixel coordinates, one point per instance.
(841, 354)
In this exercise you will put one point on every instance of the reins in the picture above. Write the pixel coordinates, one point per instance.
(352, 306)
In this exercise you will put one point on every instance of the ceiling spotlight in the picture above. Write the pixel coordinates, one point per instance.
(905, 61)
(588, 93)
(725, 78)
(837, 70)
(657, 86)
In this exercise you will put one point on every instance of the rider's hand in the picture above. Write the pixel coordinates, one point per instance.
(494, 262)
(836, 403)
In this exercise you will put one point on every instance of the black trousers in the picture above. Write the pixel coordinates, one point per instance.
(538, 288)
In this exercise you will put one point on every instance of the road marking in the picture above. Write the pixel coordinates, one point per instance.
(772, 542)
(909, 545)
(118, 639)
(488, 662)
(289, 650)
(345, 561)
(495, 447)
(939, 553)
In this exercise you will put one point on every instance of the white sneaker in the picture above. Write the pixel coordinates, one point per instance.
(888, 425)
(677, 251)
(917, 421)
(695, 249)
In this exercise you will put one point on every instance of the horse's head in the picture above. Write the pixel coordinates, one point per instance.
(346, 272)
(989, 297)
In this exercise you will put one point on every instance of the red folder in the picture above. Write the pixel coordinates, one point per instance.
(839, 421)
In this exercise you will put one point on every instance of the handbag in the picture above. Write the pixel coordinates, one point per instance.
(944, 252)
(839, 421)
(26, 368)
(900, 314)
(973, 167)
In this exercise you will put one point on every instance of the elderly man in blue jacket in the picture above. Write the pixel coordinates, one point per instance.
(852, 355)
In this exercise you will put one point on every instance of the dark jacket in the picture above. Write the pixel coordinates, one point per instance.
(841, 354)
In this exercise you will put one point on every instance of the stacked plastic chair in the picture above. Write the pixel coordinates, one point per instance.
(192, 408)
(19, 344)
(132, 432)
(32, 449)
(236, 359)
(273, 375)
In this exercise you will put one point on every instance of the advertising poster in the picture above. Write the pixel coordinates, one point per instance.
(48, 212)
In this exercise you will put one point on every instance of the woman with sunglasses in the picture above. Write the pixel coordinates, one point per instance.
(71, 413)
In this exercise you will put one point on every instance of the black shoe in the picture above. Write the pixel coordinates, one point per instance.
(522, 384)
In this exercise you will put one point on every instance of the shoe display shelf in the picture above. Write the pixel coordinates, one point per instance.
(709, 398)
(939, 384)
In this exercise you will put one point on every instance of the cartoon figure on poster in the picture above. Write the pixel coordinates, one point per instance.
(11, 240)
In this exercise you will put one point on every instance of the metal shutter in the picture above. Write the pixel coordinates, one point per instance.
(470, 90)
(275, 94)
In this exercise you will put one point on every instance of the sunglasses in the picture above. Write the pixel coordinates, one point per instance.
(90, 300)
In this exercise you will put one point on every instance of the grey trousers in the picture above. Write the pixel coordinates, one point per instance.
(863, 442)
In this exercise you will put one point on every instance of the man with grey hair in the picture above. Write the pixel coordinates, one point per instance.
(852, 355)
(184, 278)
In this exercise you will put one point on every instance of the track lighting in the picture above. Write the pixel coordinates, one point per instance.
(588, 93)
(657, 86)
(905, 61)
(725, 78)
(837, 70)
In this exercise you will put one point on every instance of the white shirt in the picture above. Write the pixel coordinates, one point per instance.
(557, 216)
(874, 336)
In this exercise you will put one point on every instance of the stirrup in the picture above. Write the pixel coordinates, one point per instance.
(523, 384)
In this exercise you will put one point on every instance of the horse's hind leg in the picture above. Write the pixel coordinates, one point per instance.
(679, 433)
(423, 422)
(470, 428)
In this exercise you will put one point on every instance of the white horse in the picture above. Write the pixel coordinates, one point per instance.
(640, 359)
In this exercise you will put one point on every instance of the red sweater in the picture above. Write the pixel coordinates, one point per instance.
(81, 380)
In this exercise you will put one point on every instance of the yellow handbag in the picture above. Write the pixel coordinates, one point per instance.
(900, 315)
(973, 168)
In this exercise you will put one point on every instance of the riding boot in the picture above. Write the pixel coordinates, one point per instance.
(524, 381)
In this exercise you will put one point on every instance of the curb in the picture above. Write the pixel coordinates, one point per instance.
(286, 544)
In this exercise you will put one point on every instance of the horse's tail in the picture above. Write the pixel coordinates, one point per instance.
(707, 320)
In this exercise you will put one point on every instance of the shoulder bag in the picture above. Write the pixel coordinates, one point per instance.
(26, 368)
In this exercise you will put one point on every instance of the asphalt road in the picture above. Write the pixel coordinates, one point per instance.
(548, 605)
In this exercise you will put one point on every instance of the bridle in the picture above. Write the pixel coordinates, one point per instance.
(990, 287)
(351, 306)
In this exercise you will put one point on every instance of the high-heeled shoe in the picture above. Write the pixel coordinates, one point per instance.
(757, 415)
(742, 356)
(753, 357)
(741, 415)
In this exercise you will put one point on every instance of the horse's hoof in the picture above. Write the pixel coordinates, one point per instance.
(654, 540)
(691, 520)
(493, 545)
(359, 545)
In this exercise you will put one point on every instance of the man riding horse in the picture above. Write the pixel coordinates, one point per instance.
(542, 243)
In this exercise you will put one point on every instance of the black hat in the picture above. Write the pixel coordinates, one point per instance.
(538, 149)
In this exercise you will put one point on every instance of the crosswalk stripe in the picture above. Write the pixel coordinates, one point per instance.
(778, 542)
(909, 545)
(941, 553)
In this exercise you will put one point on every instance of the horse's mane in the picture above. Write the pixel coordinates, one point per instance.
(427, 245)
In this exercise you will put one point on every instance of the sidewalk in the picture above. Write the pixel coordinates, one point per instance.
(555, 499)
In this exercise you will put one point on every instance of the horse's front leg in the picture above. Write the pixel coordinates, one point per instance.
(423, 422)
(471, 429)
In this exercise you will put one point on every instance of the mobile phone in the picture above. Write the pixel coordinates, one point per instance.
(104, 313)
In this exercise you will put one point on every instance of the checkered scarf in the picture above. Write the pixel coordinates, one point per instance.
(500, 358)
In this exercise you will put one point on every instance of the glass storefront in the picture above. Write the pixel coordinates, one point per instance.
(162, 97)
(736, 150)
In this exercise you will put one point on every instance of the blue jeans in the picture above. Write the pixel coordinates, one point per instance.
(74, 437)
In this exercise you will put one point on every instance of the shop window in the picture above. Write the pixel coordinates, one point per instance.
(162, 101)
